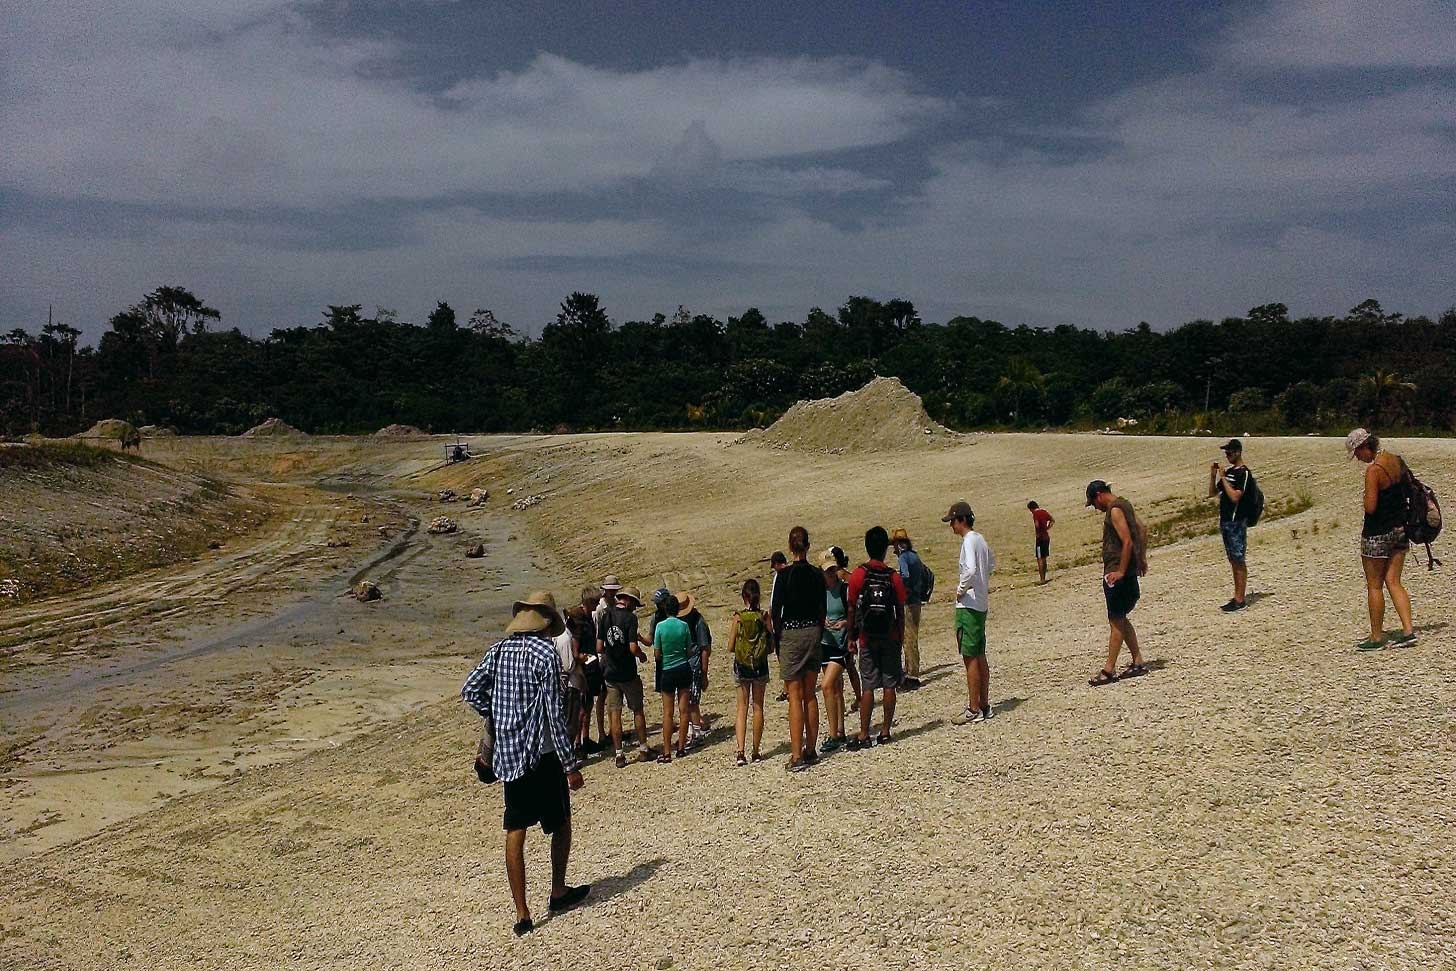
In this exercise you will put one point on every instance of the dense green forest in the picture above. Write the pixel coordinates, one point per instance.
(168, 361)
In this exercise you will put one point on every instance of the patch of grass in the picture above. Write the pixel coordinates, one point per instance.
(1192, 518)
(51, 454)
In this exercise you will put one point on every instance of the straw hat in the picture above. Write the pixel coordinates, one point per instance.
(632, 594)
(900, 536)
(537, 614)
(685, 603)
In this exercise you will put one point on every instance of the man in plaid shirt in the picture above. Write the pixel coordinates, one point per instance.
(519, 684)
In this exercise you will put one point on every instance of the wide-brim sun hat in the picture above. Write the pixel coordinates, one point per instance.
(536, 614)
(611, 583)
(1356, 438)
(632, 594)
(685, 603)
(899, 536)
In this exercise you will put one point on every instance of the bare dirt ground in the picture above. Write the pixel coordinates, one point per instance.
(1266, 798)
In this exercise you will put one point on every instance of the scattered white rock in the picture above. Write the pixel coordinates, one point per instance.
(527, 502)
(443, 524)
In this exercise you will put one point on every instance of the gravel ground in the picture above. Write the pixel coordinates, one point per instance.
(1265, 798)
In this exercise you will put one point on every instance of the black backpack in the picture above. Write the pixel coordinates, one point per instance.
(874, 611)
(1422, 514)
(1250, 507)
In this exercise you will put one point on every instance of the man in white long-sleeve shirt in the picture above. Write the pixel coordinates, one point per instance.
(972, 596)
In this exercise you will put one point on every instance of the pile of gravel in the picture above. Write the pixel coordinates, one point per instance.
(272, 427)
(884, 415)
(401, 431)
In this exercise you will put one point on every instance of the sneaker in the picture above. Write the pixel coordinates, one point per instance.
(739, 760)
(829, 744)
(987, 714)
(621, 761)
(1403, 639)
(1370, 645)
(968, 716)
(1234, 605)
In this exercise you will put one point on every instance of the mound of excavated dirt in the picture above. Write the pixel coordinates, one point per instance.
(109, 428)
(273, 426)
(883, 415)
(157, 431)
(401, 431)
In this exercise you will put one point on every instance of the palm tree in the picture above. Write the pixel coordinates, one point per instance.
(1384, 388)
(1022, 376)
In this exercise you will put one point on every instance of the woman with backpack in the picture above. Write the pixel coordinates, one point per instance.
(750, 637)
(1383, 540)
(834, 650)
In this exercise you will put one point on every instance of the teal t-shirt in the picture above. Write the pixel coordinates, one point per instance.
(674, 640)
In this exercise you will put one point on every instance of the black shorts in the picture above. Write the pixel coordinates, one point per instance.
(1043, 548)
(1122, 598)
(833, 654)
(539, 796)
(676, 679)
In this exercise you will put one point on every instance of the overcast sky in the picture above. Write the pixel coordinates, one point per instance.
(1039, 163)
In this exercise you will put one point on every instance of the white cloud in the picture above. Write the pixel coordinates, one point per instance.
(1348, 33)
(244, 107)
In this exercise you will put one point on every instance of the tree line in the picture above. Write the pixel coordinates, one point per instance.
(167, 361)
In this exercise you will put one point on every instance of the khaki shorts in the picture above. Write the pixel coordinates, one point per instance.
(798, 653)
(630, 691)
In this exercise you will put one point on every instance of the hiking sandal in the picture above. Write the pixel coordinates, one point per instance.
(1103, 677)
(1134, 671)
(664, 759)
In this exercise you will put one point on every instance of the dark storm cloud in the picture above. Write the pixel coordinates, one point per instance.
(276, 156)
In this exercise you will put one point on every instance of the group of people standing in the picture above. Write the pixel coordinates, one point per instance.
(824, 623)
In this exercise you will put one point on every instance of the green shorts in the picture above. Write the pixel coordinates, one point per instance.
(970, 628)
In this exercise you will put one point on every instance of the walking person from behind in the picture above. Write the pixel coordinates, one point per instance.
(518, 685)
(1229, 485)
(972, 604)
(798, 617)
(876, 619)
(1124, 559)
(1383, 542)
(916, 577)
(1041, 524)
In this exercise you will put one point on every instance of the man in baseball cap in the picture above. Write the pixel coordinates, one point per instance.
(1229, 485)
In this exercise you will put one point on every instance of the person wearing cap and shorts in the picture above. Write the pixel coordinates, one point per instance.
(834, 650)
(971, 606)
(1383, 542)
(916, 579)
(1229, 485)
(1124, 559)
(876, 623)
(620, 645)
(518, 686)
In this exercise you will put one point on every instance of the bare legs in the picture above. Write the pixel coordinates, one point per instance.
(867, 708)
(516, 871)
(750, 693)
(674, 705)
(978, 682)
(803, 715)
(1241, 579)
(1382, 575)
(1120, 632)
(832, 684)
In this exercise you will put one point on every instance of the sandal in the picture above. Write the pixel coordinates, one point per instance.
(664, 759)
(854, 744)
(739, 759)
(1103, 677)
(1134, 671)
(883, 740)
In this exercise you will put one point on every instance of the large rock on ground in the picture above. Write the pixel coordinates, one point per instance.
(366, 590)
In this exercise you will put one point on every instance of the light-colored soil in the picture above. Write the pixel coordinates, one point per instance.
(884, 415)
(66, 525)
(1265, 798)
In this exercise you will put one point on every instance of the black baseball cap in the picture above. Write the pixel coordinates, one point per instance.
(1094, 487)
(1232, 445)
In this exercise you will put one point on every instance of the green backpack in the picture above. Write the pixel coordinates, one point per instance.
(750, 646)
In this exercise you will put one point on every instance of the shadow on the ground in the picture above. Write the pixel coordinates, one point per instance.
(936, 667)
(1007, 705)
(1431, 628)
(1253, 598)
(1156, 664)
(635, 877)
(929, 726)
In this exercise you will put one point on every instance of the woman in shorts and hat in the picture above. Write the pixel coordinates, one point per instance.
(1383, 543)
(698, 654)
